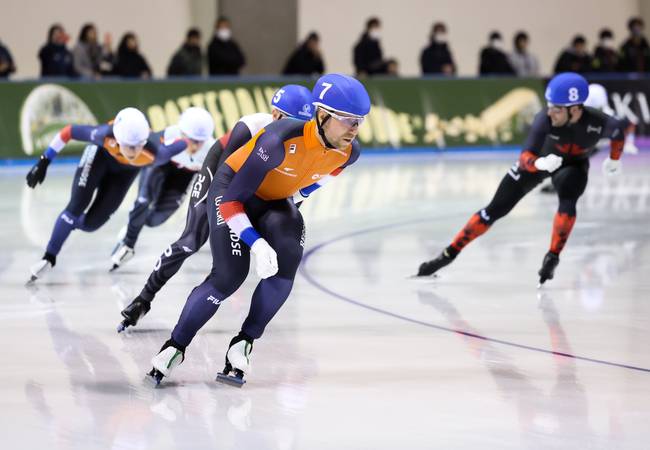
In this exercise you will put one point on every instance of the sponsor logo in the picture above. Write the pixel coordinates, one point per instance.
(292, 148)
(213, 299)
(235, 244)
(93, 134)
(88, 158)
(316, 176)
(514, 171)
(288, 169)
(217, 202)
(591, 129)
(187, 249)
(552, 136)
(485, 216)
(67, 219)
(303, 236)
(306, 111)
(262, 154)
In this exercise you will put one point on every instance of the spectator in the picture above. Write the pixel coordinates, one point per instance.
(89, 58)
(494, 60)
(605, 54)
(56, 59)
(306, 59)
(188, 60)
(635, 52)
(574, 58)
(524, 62)
(7, 66)
(224, 55)
(130, 63)
(368, 56)
(437, 58)
(392, 68)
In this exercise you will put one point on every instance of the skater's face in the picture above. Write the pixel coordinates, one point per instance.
(277, 114)
(193, 145)
(561, 115)
(341, 129)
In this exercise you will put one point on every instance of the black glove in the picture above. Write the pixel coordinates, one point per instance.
(37, 173)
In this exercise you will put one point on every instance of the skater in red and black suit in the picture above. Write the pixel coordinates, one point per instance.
(562, 139)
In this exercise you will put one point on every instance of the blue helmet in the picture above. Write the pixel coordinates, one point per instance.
(341, 93)
(567, 89)
(293, 101)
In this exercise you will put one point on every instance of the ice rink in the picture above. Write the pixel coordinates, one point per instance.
(359, 357)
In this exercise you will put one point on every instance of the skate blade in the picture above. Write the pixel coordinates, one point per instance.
(114, 268)
(31, 281)
(423, 278)
(152, 380)
(121, 327)
(230, 380)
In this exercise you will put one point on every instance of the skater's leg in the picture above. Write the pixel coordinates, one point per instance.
(283, 228)
(90, 172)
(149, 188)
(230, 264)
(110, 194)
(570, 183)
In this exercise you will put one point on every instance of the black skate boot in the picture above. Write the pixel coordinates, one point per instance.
(431, 267)
(133, 313)
(237, 361)
(551, 260)
(170, 356)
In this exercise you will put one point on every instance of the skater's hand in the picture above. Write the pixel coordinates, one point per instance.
(37, 173)
(266, 260)
(611, 166)
(548, 163)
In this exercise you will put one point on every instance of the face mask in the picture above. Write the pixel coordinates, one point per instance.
(440, 38)
(637, 31)
(375, 34)
(497, 44)
(607, 43)
(224, 34)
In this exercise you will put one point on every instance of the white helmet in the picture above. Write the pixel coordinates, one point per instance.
(196, 123)
(597, 98)
(130, 127)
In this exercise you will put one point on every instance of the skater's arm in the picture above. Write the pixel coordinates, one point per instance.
(616, 130)
(267, 154)
(239, 135)
(304, 193)
(166, 152)
(84, 133)
(534, 142)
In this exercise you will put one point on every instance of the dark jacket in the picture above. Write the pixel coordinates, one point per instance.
(434, 57)
(224, 57)
(368, 57)
(7, 60)
(130, 64)
(605, 60)
(56, 61)
(569, 61)
(494, 62)
(303, 62)
(635, 57)
(188, 60)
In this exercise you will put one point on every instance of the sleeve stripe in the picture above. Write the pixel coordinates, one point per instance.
(249, 236)
(230, 209)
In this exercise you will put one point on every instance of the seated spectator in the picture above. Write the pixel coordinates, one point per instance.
(367, 54)
(605, 54)
(522, 61)
(224, 55)
(635, 52)
(130, 63)
(90, 58)
(494, 60)
(306, 59)
(574, 58)
(7, 66)
(437, 58)
(188, 60)
(56, 59)
(392, 68)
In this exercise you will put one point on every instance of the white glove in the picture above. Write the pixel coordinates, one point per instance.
(548, 163)
(266, 260)
(611, 166)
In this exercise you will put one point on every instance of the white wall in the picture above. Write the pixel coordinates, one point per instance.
(159, 24)
(406, 24)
